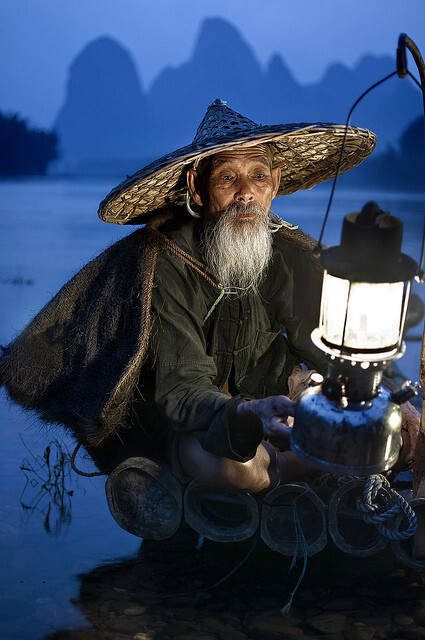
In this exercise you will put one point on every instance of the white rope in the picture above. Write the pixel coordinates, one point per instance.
(276, 223)
(373, 513)
(229, 291)
(299, 552)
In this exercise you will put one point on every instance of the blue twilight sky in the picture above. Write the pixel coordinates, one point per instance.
(39, 38)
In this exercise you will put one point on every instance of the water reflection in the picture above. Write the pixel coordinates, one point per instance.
(165, 592)
(47, 491)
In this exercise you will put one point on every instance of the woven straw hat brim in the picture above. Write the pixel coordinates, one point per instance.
(307, 154)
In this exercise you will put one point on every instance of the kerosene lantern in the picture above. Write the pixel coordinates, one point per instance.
(350, 424)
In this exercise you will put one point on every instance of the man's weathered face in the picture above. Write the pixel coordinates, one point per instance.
(235, 189)
(244, 176)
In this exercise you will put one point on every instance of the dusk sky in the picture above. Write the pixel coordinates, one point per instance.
(40, 38)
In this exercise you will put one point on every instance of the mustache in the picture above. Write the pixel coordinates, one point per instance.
(238, 208)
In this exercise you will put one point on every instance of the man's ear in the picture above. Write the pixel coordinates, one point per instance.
(276, 173)
(193, 186)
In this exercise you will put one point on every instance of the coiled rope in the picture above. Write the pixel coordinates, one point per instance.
(372, 513)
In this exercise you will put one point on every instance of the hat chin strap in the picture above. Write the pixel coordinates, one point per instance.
(189, 208)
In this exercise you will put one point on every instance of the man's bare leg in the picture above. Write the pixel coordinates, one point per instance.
(265, 470)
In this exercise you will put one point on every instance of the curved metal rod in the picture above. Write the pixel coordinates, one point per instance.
(402, 71)
(347, 124)
(405, 42)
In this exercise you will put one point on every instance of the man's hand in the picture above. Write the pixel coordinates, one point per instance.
(411, 420)
(276, 416)
(275, 413)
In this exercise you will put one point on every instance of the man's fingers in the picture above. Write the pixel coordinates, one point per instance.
(277, 426)
(286, 422)
(283, 406)
(275, 413)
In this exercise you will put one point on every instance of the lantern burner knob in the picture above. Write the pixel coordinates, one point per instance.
(406, 392)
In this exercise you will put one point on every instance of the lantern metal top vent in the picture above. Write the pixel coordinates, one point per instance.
(350, 423)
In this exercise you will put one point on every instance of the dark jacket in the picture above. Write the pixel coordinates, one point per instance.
(121, 372)
(247, 344)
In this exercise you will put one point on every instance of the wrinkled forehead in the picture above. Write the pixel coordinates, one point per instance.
(261, 152)
(257, 153)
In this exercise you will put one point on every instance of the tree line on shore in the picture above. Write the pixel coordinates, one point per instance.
(25, 150)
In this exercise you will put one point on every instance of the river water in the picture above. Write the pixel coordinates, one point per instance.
(55, 526)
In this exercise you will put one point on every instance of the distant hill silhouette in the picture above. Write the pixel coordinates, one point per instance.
(108, 122)
(104, 119)
(23, 150)
(222, 65)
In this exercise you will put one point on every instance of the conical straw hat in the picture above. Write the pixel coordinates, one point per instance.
(307, 154)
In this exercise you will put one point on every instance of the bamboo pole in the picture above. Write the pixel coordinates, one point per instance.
(419, 464)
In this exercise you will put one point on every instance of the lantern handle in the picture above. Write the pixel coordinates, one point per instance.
(318, 247)
(402, 71)
(405, 42)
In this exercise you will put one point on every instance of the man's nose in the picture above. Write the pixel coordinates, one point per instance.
(243, 191)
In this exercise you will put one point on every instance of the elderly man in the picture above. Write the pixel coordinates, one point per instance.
(182, 342)
(196, 354)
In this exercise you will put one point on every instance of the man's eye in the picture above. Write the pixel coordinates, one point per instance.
(259, 176)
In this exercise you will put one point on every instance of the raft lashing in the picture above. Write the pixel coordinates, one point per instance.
(360, 515)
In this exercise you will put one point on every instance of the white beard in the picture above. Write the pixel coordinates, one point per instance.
(238, 250)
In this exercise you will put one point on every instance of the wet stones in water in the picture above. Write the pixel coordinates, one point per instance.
(341, 597)
(330, 623)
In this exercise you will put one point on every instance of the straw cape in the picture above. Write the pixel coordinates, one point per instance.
(306, 153)
(79, 361)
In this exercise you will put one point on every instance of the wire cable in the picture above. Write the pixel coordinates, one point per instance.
(402, 71)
